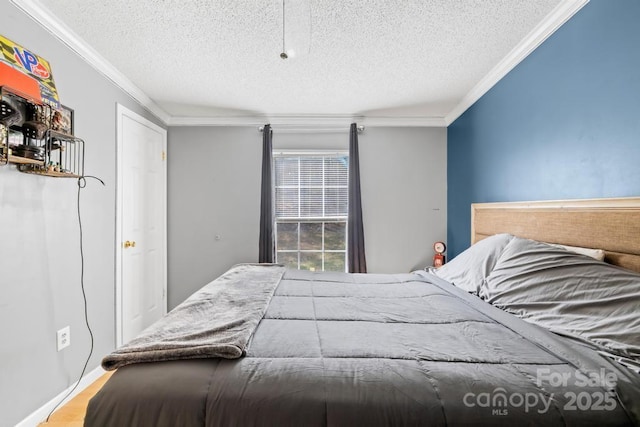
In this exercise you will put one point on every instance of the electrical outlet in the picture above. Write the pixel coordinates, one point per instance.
(64, 337)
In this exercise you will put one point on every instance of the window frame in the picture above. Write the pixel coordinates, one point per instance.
(300, 220)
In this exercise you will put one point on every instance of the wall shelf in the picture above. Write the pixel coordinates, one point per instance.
(24, 160)
(30, 134)
(46, 172)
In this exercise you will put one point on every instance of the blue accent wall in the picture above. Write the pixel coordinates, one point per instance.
(563, 124)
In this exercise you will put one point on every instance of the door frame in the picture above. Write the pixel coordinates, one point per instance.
(121, 112)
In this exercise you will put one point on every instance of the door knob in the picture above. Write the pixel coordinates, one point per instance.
(129, 244)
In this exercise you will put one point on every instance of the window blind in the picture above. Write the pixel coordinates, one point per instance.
(311, 186)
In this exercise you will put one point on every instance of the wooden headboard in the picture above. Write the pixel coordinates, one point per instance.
(609, 224)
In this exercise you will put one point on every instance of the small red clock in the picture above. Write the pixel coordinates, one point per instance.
(439, 258)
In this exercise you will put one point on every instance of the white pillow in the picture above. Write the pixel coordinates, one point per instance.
(593, 253)
(468, 270)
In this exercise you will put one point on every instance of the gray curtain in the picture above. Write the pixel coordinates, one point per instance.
(355, 238)
(266, 244)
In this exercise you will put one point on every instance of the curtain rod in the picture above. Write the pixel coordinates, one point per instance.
(312, 129)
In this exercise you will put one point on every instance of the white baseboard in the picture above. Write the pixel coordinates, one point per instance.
(40, 414)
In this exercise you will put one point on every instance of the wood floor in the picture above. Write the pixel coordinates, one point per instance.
(72, 414)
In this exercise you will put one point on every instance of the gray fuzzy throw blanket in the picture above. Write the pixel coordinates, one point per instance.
(216, 321)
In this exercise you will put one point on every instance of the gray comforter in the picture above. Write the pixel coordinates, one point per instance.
(411, 349)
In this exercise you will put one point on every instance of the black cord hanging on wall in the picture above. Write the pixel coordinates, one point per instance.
(82, 183)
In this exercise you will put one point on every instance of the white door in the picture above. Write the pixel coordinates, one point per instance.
(141, 242)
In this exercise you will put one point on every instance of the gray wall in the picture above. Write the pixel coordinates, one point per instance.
(214, 189)
(403, 174)
(39, 253)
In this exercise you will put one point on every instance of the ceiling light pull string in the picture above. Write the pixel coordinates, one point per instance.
(283, 55)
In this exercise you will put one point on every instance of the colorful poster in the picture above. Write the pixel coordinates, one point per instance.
(32, 65)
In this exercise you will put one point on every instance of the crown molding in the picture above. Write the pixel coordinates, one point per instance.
(293, 122)
(62, 32)
(280, 120)
(427, 121)
(561, 14)
(218, 121)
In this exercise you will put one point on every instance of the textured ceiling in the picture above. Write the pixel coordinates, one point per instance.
(412, 58)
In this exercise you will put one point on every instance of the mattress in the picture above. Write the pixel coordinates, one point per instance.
(366, 349)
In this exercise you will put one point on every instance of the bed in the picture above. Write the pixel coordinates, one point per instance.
(513, 330)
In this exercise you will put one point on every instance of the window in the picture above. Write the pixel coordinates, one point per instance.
(311, 201)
